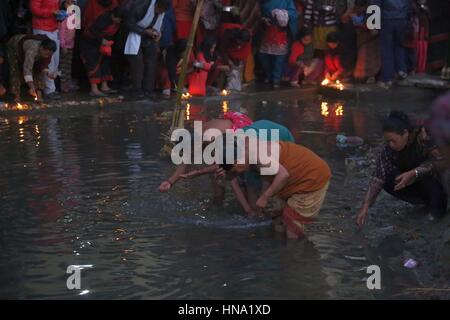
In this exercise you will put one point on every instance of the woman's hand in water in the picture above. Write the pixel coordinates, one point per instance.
(165, 186)
(262, 202)
(221, 173)
(362, 215)
(404, 180)
(257, 214)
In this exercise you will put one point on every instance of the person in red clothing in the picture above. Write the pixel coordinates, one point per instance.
(201, 64)
(302, 62)
(44, 21)
(334, 68)
(95, 8)
(235, 42)
(235, 48)
(184, 14)
(162, 76)
(96, 50)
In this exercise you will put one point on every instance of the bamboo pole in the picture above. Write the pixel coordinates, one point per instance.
(179, 114)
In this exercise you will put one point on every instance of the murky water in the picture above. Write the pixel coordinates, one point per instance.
(82, 190)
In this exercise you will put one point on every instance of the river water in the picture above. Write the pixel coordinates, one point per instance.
(82, 190)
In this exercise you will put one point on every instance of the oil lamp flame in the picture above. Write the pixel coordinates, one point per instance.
(188, 112)
(225, 107)
(186, 95)
(324, 109)
(325, 82)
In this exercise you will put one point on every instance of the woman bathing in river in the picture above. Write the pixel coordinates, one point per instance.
(246, 189)
(406, 168)
(299, 180)
(230, 121)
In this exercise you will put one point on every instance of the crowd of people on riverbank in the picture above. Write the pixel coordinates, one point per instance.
(137, 45)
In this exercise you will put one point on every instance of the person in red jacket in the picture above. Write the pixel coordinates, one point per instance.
(235, 48)
(201, 63)
(184, 14)
(235, 42)
(302, 63)
(44, 21)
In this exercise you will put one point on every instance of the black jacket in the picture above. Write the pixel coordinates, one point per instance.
(6, 18)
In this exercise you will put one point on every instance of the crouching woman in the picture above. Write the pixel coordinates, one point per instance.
(28, 58)
(297, 176)
(407, 168)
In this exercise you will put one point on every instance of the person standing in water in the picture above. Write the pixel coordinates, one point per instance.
(300, 179)
(248, 188)
(406, 168)
(230, 121)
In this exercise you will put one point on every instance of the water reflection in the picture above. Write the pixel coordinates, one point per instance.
(81, 190)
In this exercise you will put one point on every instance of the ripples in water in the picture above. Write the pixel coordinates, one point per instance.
(82, 190)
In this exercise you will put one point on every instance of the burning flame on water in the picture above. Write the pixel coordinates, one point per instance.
(339, 110)
(188, 112)
(186, 95)
(225, 107)
(22, 120)
(224, 93)
(324, 109)
(338, 85)
(17, 106)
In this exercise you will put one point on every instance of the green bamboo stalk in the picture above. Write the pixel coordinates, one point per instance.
(179, 114)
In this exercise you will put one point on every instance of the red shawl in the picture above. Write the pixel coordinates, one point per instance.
(93, 10)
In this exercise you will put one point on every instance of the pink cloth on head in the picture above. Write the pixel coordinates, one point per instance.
(238, 119)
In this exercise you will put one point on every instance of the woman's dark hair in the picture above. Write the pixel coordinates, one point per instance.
(48, 44)
(361, 3)
(118, 12)
(206, 47)
(333, 37)
(180, 47)
(105, 3)
(226, 149)
(303, 33)
(163, 4)
(242, 35)
(397, 122)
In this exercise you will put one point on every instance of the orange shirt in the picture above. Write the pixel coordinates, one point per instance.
(307, 171)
